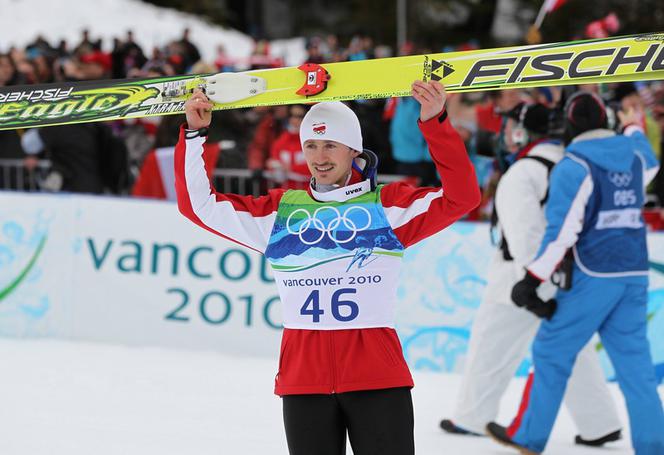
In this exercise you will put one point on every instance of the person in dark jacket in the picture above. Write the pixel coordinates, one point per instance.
(86, 158)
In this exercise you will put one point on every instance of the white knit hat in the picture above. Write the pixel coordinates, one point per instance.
(332, 121)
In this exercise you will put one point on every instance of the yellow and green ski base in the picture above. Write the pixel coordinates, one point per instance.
(617, 59)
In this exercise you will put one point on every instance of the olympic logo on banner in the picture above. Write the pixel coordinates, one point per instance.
(620, 179)
(330, 226)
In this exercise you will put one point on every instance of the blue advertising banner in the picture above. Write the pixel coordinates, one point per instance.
(136, 272)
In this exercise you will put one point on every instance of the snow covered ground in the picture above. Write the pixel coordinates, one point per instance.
(75, 398)
(152, 26)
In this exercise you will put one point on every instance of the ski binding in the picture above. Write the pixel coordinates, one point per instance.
(317, 78)
(220, 88)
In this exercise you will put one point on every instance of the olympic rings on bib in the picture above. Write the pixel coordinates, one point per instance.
(318, 223)
(620, 179)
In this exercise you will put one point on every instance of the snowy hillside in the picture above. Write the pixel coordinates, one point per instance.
(22, 20)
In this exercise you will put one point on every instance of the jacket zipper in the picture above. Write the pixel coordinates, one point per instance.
(332, 362)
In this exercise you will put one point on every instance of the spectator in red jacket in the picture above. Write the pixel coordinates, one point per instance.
(269, 128)
(286, 163)
(156, 179)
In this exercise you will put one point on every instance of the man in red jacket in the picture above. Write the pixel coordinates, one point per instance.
(336, 251)
(287, 163)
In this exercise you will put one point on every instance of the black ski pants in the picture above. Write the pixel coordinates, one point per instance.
(378, 422)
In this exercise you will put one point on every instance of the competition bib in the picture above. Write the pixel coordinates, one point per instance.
(336, 264)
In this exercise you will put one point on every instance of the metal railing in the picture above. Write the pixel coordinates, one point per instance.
(244, 181)
(15, 175)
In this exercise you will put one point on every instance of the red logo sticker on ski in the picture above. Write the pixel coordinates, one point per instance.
(317, 78)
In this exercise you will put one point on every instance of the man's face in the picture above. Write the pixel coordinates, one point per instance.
(632, 101)
(6, 70)
(295, 116)
(658, 113)
(510, 125)
(508, 99)
(329, 162)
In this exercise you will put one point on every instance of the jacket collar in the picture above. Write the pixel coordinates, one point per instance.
(594, 134)
(355, 187)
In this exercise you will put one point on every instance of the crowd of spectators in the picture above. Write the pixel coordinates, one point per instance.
(133, 156)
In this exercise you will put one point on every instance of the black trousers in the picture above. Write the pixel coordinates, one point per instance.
(378, 422)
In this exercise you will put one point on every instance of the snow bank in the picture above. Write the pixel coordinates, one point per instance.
(22, 20)
(80, 398)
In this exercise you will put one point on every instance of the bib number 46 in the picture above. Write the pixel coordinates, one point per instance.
(342, 310)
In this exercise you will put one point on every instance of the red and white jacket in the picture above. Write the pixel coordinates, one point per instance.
(336, 361)
(287, 150)
(156, 178)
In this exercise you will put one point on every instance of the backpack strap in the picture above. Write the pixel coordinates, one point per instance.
(549, 166)
(494, 215)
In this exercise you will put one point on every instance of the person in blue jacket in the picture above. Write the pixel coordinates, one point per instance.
(409, 149)
(593, 218)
